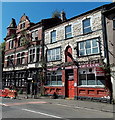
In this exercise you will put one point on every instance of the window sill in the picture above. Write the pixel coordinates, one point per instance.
(68, 38)
(92, 86)
(88, 55)
(53, 85)
(87, 33)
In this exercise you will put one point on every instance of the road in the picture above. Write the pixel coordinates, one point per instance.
(40, 108)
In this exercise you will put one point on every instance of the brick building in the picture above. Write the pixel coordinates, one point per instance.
(75, 57)
(23, 51)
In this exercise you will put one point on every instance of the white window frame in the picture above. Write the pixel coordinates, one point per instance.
(94, 72)
(66, 33)
(53, 39)
(53, 54)
(85, 49)
(34, 35)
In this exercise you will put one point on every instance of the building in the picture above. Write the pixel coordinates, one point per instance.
(23, 52)
(109, 16)
(76, 54)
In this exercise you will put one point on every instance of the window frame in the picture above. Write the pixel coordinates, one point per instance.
(86, 26)
(67, 33)
(53, 54)
(53, 39)
(86, 81)
(35, 35)
(84, 49)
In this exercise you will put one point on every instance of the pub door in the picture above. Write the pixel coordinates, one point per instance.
(69, 83)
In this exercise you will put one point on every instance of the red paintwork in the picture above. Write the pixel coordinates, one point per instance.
(70, 89)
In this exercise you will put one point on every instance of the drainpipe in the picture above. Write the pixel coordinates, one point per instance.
(106, 53)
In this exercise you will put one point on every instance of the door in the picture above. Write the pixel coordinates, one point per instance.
(69, 88)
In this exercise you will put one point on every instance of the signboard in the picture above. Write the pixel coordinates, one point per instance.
(100, 71)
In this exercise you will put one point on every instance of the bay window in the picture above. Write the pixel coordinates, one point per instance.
(34, 54)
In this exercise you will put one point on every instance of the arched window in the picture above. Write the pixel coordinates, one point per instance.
(114, 23)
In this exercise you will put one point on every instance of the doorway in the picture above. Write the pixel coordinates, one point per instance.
(69, 83)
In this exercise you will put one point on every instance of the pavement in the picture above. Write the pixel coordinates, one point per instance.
(95, 106)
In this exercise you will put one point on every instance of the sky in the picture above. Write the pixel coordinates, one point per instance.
(36, 11)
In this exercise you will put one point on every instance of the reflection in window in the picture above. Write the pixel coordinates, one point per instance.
(88, 47)
(54, 54)
(53, 36)
(68, 32)
(87, 76)
(86, 26)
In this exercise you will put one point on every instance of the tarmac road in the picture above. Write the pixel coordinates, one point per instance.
(46, 108)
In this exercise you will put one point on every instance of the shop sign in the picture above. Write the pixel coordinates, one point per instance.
(100, 71)
(88, 65)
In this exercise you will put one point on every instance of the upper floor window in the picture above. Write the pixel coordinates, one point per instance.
(18, 58)
(11, 44)
(35, 35)
(114, 23)
(68, 31)
(22, 25)
(23, 58)
(54, 54)
(20, 41)
(53, 36)
(88, 47)
(86, 26)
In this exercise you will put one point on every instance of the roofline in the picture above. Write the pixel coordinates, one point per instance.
(95, 9)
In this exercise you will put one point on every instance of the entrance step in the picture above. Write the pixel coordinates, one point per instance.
(69, 98)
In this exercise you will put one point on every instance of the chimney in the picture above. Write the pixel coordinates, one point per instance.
(63, 16)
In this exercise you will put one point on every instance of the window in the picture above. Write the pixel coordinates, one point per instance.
(10, 60)
(35, 35)
(38, 54)
(18, 58)
(23, 58)
(114, 23)
(11, 44)
(87, 76)
(54, 54)
(86, 26)
(20, 41)
(32, 55)
(53, 36)
(88, 47)
(22, 25)
(68, 32)
(54, 78)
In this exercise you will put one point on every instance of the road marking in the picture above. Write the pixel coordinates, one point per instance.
(3, 104)
(12, 104)
(82, 108)
(42, 113)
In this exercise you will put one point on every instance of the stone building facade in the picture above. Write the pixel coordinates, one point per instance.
(75, 54)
